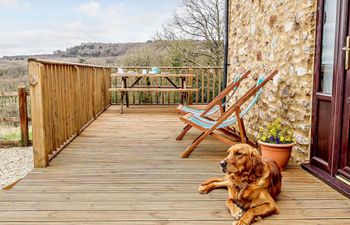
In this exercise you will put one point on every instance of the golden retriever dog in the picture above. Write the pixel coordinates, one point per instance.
(253, 184)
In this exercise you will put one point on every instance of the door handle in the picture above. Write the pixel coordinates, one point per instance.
(347, 53)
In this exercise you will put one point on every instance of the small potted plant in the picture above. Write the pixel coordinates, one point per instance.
(276, 142)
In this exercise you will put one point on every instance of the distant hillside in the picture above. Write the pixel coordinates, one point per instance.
(85, 50)
(98, 49)
(13, 69)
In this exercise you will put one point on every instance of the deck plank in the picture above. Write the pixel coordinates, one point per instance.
(126, 169)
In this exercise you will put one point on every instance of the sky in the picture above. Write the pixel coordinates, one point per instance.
(40, 27)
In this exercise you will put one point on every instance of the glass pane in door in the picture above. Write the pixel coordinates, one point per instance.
(328, 45)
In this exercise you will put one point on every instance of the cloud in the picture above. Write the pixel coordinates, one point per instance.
(13, 4)
(95, 22)
(91, 8)
(117, 20)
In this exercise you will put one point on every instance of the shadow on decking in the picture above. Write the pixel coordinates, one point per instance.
(126, 169)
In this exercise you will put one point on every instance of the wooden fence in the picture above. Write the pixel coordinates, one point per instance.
(23, 118)
(65, 99)
(207, 79)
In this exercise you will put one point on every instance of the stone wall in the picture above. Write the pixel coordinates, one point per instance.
(276, 34)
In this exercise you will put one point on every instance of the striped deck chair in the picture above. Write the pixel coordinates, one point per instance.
(221, 129)
(216, 104)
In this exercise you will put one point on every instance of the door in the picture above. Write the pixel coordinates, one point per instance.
(330, 155)
(343, 157)
(326, 74)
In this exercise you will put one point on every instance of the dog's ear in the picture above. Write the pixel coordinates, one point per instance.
(229, 150)
(256, 163)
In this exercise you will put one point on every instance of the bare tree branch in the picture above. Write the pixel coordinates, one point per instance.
(201, 21)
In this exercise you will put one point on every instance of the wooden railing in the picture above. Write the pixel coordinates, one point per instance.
(22, 119)
(65, 99)
(207, 79)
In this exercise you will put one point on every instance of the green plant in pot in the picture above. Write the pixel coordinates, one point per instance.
(276, 142)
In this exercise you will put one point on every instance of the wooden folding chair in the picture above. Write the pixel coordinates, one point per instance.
(214, 106)
(221, 129)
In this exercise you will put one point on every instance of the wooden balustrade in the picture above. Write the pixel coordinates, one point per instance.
(22, 119)
(207, 79)
(65, 99)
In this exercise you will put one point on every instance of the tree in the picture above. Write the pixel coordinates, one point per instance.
(151, 54)
(199, 23)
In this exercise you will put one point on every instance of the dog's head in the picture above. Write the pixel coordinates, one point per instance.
(241, 158)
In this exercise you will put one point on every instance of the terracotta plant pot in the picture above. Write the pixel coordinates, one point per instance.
(278, 152)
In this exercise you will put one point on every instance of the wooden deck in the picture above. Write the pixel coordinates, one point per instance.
(126, 169)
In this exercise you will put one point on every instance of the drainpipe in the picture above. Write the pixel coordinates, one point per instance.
(226, 64)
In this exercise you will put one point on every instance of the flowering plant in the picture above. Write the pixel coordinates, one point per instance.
(275, 133)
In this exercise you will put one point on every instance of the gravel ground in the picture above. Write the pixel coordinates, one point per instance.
(15, 163)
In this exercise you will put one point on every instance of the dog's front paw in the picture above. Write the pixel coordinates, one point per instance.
(241, 222)
(237, 214)
(203, 189)
(257, 219)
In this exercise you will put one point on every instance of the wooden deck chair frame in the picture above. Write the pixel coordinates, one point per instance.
(234, 109)
(216, 101)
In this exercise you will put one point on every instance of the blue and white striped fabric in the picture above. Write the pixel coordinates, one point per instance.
(205, 123)
(198, 112)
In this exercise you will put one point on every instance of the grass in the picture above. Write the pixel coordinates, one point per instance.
(13, 134)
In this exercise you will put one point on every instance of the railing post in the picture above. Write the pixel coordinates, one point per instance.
(190, 100)
(94, 78)
(77, 125)
(39, 117)
(23, 115)
(109, 85)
